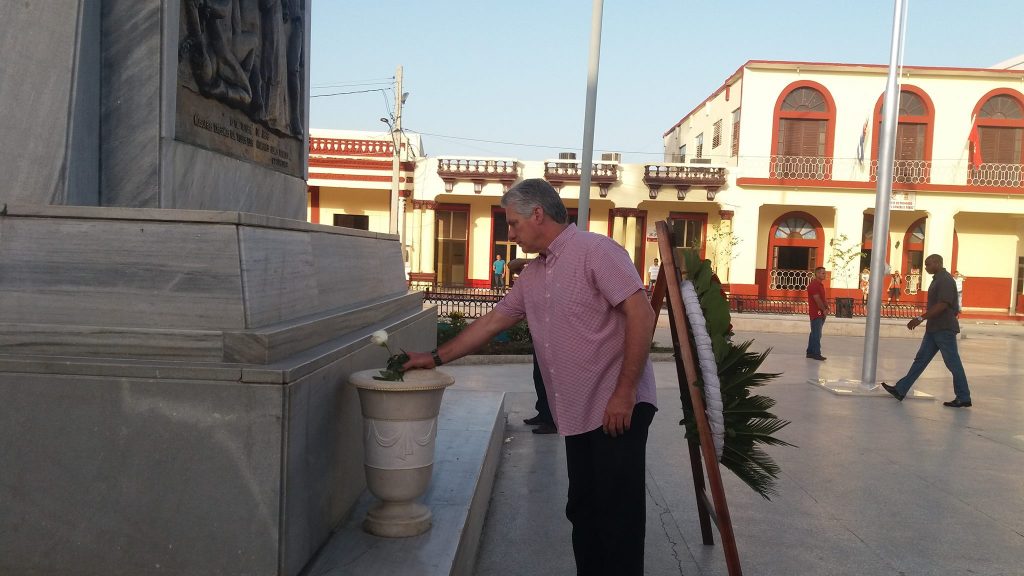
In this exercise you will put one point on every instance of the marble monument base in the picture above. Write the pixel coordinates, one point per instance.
(173, 386)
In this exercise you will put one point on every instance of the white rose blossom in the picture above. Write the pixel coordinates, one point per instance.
(380, 338)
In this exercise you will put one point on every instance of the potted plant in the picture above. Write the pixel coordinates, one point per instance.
(399, 431)
(842, 254)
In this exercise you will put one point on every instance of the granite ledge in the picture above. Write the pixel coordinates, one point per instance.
(177, 215)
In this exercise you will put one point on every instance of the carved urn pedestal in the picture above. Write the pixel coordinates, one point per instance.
(399, 430)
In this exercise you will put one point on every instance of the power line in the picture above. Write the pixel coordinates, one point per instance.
(364, 82)
(530, 145)
(381, 90)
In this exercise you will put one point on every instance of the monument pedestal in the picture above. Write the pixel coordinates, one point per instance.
(173, 386)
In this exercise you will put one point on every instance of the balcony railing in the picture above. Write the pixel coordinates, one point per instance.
(782, 279)
(478, 169)
(350, 147)
(561, 171)
(906, 171)
(801, 167)
(991, 174)
(683, 175)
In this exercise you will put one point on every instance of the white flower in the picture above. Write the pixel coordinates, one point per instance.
(380, 338)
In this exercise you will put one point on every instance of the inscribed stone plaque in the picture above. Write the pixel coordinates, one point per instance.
(241, 80)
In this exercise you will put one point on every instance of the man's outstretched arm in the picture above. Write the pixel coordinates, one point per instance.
(475, 335)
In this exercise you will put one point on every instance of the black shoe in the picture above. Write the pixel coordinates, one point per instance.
(952, 404)
(816, 357)
(892, 390)
(545, 428)
(533, 421)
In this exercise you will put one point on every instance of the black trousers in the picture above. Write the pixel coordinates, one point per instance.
(543, 409)
(608, 497)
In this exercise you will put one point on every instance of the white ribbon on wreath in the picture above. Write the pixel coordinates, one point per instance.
(708, 366)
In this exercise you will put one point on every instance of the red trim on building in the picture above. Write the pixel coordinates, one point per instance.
(314, 204)
(857, 185)
(358, 163)
(980, 292)
(743, 289)
(732, 79)
(356, 177)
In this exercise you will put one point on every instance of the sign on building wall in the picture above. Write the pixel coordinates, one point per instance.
(652, 234)
(241, 80)
(903, 200)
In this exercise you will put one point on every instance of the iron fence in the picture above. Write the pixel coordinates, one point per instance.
(475, 302)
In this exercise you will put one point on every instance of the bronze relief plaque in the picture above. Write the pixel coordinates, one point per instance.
(241, 80)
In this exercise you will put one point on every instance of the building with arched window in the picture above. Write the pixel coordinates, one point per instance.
(770, 176)
(803, 168)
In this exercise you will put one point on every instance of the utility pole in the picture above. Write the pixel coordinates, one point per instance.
(396, 162)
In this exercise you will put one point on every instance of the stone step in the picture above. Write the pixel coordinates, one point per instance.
(470, 434)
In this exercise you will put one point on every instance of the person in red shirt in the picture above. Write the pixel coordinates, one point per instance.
(817, 307)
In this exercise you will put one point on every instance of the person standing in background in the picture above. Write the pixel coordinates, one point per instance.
(817, 308)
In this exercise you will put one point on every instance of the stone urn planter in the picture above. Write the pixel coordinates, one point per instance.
(399, 430)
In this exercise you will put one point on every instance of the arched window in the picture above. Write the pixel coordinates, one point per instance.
(913, 136)
(795, 248)
(997, 153)
(795, 228)
(804, 131)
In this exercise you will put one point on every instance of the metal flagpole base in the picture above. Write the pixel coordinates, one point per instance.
(848, 387)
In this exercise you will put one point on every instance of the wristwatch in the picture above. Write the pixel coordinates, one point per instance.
(437, 357)
(919, 318)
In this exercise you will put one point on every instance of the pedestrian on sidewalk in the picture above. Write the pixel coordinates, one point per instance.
(939, 336)
(652, 274)
(896, 284)
(591, 325)
(498, 273)
(817, 308)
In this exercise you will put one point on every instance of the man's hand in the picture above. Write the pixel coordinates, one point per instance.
(419, 360)
(914, 323)
(619, 413)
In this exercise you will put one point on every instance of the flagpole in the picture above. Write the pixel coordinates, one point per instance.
(586, 163)
(883, 193)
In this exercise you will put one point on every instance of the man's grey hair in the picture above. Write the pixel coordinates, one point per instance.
(535, 192)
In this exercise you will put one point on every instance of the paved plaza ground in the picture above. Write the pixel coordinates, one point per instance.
(876, 487)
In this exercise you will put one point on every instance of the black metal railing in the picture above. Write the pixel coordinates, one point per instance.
(475, 302)
(758, 305)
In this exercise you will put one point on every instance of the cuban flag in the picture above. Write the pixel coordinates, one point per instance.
(860, 145)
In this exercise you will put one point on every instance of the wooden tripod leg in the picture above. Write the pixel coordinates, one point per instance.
(698, 486)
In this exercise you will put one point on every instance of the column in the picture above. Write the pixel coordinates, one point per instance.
(724, 245)
(427, 237)
(744, 258)
(618, 224)
(413, 227)
(938, 239)
(849, 220)
(630, 235)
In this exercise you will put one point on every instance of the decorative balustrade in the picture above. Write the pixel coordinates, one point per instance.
(683, 175)
(992, 174)
(351, 147)
(906, 171)
(782, 279)
(561, 171)
(478, 169)
(801, 167)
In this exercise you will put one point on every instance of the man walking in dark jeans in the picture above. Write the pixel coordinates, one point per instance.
(939, 336)
(817, 308)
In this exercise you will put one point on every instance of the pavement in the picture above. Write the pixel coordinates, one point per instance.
(875, 486)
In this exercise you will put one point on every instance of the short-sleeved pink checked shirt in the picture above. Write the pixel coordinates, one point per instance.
(569, 298)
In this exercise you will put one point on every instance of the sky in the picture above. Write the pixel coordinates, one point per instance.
(508, 79)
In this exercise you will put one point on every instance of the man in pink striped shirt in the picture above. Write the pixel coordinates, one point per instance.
(591, 326)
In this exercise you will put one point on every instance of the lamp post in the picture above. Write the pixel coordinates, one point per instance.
(396, 162)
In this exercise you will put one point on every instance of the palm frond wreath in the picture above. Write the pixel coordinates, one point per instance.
(749, 425)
